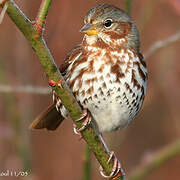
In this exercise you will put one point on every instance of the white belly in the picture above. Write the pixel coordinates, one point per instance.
(111, 117)
(108, 90)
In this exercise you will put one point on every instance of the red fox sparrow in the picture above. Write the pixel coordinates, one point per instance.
(106, 72)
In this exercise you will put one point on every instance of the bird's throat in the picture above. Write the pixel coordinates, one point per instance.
(90, 40)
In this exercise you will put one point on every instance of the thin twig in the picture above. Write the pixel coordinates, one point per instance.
(41, 17)
(24, 89)
(161, 44)
(52, 72)
(43, 11)
(158, 159)
(3, 10)
(128, 6)
(2, 2)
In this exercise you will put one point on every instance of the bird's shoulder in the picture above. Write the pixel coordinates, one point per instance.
(73, 54)
(138, 54)
(141, 58)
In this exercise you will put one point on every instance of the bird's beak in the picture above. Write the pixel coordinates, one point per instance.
(89, 29)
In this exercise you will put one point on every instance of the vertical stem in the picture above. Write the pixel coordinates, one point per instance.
(16, 141)
(87, 164)
(128, 6)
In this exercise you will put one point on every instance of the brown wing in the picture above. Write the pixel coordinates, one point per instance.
(50, 118)
(69, 59)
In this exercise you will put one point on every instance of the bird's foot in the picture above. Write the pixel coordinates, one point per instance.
(85, 115)
(117, 171)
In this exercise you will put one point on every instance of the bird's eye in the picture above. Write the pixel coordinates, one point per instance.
(108, 23)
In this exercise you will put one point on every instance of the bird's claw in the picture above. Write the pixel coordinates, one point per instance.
(85, 115)
(117, 171)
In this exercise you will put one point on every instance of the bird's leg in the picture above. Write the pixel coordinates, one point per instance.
(85, 115)
(56, 99)
(117, 171)
(87, 119)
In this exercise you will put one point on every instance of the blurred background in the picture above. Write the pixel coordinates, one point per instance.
(60, 154)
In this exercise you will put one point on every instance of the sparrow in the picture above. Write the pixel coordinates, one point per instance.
(106, 73)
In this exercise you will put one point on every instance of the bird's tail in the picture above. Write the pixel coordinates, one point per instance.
(49, 119)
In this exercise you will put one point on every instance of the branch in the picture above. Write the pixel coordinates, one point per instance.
(24, 89)
(161, 44)
(87, 164)
(157, 160)
(52, 72)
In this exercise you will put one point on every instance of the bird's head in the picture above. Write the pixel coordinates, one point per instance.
(111, 25)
